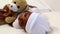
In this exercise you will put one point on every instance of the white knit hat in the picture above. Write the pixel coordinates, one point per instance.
(37, 24)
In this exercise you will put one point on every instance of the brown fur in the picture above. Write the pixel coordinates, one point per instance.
(5, 12)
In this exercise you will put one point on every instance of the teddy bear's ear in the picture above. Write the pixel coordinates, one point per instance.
(6, 7)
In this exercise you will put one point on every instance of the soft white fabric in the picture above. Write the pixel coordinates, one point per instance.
(16, 24)
(37, 24)
(36, 10)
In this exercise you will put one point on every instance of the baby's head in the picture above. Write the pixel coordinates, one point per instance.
(23, 18)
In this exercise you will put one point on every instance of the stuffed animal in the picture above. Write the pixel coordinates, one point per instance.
(6, 15)
(10, 11)
(17, 6)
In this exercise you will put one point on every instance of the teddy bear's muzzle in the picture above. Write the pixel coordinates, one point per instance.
(13, 7)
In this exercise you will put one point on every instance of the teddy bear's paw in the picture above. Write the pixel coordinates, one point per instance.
(10, 19)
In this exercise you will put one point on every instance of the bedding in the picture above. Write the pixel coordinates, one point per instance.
(6, 29)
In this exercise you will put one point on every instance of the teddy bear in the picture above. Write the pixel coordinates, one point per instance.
(10, 11)
(6, 15)
(18, 6)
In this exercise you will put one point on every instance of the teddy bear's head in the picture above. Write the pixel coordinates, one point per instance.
(18, 5)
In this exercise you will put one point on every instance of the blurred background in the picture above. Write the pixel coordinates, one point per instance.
(41, 4)
(54, 4)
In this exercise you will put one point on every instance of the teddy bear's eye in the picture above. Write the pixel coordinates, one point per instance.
(18, 7)
(14, 2)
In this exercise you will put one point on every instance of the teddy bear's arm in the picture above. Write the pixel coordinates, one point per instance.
(10, 16)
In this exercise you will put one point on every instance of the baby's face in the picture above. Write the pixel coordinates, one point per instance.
(23, 18)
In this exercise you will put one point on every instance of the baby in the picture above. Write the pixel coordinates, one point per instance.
(33, 23)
